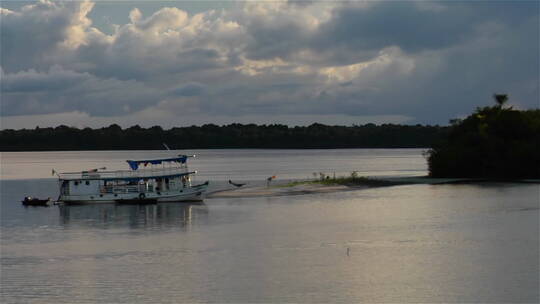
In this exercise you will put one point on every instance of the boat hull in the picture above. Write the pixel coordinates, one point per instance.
(36, 202)
(184, 195)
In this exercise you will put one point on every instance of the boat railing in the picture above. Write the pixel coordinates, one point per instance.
(119, 189)
(141, 173)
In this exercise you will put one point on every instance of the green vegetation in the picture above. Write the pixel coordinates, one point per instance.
(221, 137)
(355, 181)
(494, 142)
(352, 180)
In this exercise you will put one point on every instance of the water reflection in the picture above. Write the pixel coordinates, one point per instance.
(163, 215)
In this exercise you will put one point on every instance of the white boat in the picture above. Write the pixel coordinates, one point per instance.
(159, 180)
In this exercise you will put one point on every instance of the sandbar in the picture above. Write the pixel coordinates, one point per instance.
(310, 187)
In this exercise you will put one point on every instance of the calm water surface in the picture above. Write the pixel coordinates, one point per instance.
(416, 243)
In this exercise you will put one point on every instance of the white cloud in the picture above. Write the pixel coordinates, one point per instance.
(32, 36)
(388, 59)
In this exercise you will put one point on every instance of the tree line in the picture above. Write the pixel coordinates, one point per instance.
(210, 136)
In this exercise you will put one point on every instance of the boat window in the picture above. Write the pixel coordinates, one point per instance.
(76, 183)
(88, 182)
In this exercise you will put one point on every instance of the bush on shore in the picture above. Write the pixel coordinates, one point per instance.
(496, 142)
(353, 180)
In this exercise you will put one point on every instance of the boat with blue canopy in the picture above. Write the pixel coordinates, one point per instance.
(134, 164)
(146, 181)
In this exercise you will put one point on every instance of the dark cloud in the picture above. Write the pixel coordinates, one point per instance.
(275, 38)
(398, 23)
(32, 81)
(58, 90)
(188, 90)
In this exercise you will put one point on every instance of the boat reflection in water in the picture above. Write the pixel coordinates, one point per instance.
(161, 215)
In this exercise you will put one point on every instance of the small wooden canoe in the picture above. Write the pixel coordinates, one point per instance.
(32, 201)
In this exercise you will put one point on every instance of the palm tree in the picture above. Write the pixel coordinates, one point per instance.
(500, 99)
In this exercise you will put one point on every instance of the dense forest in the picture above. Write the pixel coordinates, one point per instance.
(212, 136)
(493, 142)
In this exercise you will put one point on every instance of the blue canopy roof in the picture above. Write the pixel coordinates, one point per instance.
(134, 164)
(138, 178)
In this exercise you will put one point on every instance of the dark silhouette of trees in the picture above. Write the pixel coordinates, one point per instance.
(493, 142)
(210, 136)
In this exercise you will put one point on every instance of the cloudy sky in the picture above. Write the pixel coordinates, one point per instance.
(178, 63)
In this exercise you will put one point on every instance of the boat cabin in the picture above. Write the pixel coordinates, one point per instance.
(151, 178)
(143, 185)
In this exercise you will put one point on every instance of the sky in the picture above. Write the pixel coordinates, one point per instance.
(181, 63)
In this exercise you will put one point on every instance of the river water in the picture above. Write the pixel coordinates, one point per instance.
(414, 243)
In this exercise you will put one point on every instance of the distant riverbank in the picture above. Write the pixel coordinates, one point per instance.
(233, 136)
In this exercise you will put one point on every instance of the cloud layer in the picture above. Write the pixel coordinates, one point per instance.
(288, 62)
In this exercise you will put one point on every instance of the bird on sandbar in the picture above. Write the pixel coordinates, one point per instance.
(236, 184)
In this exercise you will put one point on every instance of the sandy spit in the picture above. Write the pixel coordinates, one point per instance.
(313, 188)
(280, 191)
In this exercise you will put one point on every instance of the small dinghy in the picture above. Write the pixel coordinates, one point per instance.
(32, 201)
